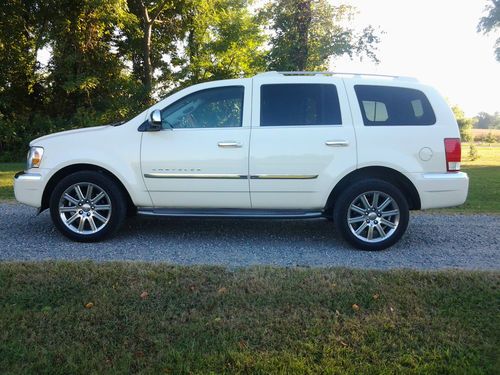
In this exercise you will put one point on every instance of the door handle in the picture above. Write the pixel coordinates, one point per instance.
(228, 144)
(337, 143)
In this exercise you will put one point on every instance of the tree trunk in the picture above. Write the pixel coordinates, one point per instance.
(303, 19)
(146, 52)
(147, 25)
(192, 52)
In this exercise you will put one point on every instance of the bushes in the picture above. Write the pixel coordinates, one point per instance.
(473, 154)
(17, 133)
(24, 125)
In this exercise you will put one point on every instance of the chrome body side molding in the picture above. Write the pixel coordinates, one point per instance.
(284, 177)
(226, 176)
(195, 175)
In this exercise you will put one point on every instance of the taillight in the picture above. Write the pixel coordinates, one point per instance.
(453, 151)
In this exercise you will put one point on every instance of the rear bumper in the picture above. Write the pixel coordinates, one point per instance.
(438, 190)
(28, 188)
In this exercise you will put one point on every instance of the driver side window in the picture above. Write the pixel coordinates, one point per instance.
(219, 107)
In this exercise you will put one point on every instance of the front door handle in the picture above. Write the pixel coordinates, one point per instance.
(228, 144)
(337, 143)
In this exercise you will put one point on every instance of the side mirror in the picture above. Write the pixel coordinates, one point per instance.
(155, 120)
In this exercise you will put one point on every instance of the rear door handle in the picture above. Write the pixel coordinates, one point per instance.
(229, 144)
(337, 143)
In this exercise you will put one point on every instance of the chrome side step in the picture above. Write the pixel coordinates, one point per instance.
(229, 212)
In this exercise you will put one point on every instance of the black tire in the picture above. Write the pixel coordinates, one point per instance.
(382, 235)
(84, 209)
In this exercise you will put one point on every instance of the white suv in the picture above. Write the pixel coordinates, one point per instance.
(361, 150)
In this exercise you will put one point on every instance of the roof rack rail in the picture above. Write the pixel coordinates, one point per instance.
(328, 73)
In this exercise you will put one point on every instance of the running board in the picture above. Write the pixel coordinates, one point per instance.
(228, 212)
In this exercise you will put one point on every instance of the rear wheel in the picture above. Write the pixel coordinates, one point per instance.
(87, 206)
(371, 214)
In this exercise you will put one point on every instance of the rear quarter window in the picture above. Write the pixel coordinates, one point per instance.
(394, 106)
(290, 104)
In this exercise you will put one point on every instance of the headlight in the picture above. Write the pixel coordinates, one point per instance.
(35, 155)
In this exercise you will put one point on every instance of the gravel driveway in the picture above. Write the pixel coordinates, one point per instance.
(431, 242)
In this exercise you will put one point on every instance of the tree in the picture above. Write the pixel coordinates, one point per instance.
(487, 121)
(111, 58)
(23, 32)
(490, 138)
(151, 31)
(307, 34)
(22, 35)
(84, 72)
(491, 23)
(465, 126)
(223, 40)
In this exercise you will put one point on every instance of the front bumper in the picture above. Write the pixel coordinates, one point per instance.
(439, 190)
(28, 188)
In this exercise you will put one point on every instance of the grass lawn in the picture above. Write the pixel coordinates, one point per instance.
(259, 320)
(7, 171)
(484, 181)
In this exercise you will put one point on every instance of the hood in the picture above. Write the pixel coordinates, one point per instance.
(68, 133)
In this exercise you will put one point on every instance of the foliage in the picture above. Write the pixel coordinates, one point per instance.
(465, 124)
(487, 121)
(473, 154)
(490, 138)
(491, 23)
(307, 34)
(151, 30)
(223, 40)
(109, 59)
(85, 75)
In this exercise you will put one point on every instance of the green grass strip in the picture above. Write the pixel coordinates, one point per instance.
(199, 320)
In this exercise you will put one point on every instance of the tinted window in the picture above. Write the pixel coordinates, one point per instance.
(219, 107)
(299, 104)
(383, 105)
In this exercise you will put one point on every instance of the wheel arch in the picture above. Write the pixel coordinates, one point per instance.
(383, 173)
(66, 171)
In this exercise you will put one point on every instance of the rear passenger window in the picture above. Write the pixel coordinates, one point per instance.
(299, 104)
(386, 105)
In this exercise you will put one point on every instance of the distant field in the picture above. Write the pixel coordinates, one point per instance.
(478, 132)
(480, 135)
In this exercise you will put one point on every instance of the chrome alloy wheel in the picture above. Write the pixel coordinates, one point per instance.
(85, 208)
(373, 216)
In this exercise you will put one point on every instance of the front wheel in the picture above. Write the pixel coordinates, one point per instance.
(87, 206)
(371, 214)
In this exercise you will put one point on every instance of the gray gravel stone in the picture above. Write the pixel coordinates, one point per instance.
(432, 241)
